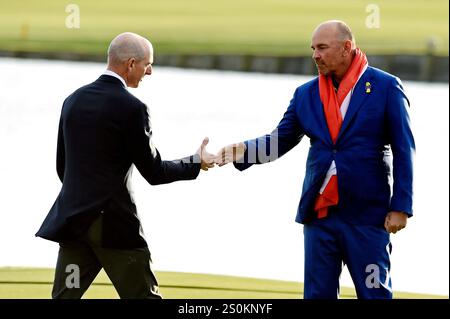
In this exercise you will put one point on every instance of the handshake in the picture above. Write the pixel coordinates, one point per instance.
(227, 154)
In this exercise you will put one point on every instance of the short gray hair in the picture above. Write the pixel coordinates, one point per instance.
(126, 46)
(344, 31)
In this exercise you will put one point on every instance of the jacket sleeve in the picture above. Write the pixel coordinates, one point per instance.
(147, 159)
(281, 140)
(403, 148)
(60, 151)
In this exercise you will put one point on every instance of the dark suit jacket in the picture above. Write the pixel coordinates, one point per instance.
(103, 131)
(375, 144)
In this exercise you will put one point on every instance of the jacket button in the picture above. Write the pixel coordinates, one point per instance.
(334, 151)
(101, 212)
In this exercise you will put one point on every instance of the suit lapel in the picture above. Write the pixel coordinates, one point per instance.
(357, 100)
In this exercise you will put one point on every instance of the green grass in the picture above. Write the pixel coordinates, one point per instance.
(31, 283)
(260, 27)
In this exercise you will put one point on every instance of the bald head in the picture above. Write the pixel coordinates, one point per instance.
(333, 47)
(338, 29)
(126, 46)
(130, 56)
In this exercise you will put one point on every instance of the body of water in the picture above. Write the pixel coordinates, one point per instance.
(226, 221)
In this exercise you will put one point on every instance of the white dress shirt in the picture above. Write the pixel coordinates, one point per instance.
(114, 74)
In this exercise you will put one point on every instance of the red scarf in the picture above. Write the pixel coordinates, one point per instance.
(332, 102)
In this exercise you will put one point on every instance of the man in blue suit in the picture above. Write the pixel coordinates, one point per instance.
(356, 118)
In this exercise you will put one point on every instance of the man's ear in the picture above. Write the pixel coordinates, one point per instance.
(130, 63)
(347, 48)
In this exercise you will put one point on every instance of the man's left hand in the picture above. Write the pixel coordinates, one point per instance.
(395, 221)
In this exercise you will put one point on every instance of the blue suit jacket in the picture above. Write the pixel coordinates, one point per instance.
(375, 146)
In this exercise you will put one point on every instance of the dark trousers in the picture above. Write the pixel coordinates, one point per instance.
(79, 262)
(331, 242)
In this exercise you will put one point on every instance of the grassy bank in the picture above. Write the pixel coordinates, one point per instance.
(33, 283)
(260, 27)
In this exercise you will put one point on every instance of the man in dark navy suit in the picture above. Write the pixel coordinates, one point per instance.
(356, 118)
(103, 132)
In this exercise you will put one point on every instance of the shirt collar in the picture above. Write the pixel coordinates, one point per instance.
(117, 76)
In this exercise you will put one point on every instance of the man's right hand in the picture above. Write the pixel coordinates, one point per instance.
(208, 160)
(230, 153)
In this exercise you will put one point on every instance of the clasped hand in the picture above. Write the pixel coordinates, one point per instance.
(227, 154)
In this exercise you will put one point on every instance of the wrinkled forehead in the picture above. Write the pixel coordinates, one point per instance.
(148, 49)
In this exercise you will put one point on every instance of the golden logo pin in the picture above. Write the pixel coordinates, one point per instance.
(368, 87)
